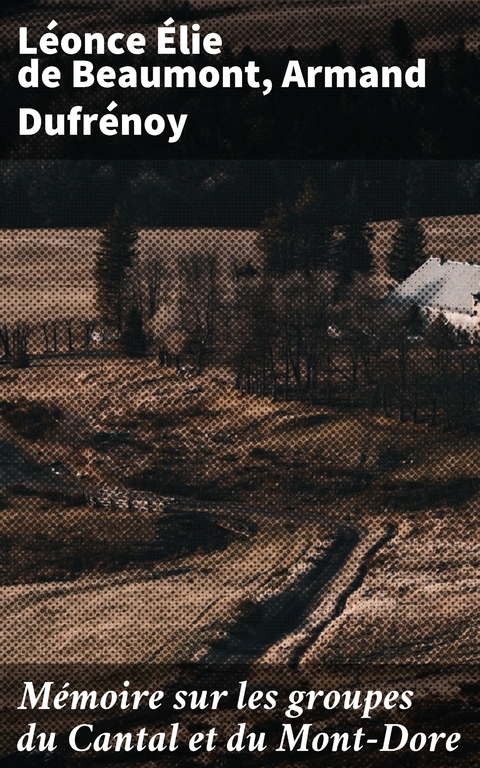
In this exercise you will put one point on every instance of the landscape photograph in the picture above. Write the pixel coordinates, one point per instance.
(240, 384)
(240, 441)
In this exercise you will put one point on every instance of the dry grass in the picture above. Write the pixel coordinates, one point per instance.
(25, 522)
(311, 463)
(62, 260)
(134, 423)
(165, 613)
(420, 601)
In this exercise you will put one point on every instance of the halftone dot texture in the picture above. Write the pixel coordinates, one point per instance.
(274, 467)
(274, 461)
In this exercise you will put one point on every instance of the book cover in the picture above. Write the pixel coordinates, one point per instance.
(240, 383)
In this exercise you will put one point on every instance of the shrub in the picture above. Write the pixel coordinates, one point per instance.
(30, 418)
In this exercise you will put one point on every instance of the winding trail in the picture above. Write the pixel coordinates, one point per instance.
(281, 628)
(263, 624)
(295, 648)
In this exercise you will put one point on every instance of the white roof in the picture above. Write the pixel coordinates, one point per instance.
(440, 284)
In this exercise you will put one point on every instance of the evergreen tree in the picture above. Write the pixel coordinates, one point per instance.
(134, 341)
(352, 251)
(408, 250)
(414, 321)
(298, 237)
(441, 334)
(275, 241)
(114, 256)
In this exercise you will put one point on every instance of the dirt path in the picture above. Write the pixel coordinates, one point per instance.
(264, 624)
(331, 601)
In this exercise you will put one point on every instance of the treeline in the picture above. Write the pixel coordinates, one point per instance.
(292, 341)
(309, 322)
(306, 237)
(291, 338)
(228, 193)
(438, 121)
(306, 320)
(20, 340)
(287, 338)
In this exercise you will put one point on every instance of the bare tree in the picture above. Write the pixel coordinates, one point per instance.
(20, 339)
(46, 337)
(254, 337)
(5, 340)
(89, 327)
(154, 277)
(69, 329)
(442, 340)
(54, 337)
(199, 304)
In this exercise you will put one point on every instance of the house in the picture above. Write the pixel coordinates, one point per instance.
(441, 286)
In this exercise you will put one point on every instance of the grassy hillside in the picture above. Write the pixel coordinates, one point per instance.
(48, 274)
(138, 427)
(134, 424)
(302, 470)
